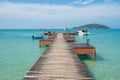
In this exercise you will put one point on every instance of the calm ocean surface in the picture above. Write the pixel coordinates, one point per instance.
(18, 52)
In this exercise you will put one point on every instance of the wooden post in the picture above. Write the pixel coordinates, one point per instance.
(94, 55)
(39, 45)
(88, 41)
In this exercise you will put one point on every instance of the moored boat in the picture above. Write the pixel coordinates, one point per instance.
(83, 32)
(37, 37)
(65, 29)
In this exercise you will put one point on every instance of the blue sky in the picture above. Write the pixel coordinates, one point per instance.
(26, 14)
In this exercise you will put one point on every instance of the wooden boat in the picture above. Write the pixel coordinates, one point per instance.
(37, 37)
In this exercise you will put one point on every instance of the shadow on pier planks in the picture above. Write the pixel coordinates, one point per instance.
(58, 62)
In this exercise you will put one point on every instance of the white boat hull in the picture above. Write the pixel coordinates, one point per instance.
(83, 33)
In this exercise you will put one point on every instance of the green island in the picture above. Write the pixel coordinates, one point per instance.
(92, 26)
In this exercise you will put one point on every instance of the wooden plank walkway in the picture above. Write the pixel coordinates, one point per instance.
(84, 48)
(58, 62)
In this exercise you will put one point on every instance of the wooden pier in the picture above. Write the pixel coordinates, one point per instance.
(51, 36)
(66, 34)
(45, 42)
(71, 33)
(70, 39)
(58, 62)
(84, 48)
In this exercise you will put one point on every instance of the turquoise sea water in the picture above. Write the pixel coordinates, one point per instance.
(18, 52)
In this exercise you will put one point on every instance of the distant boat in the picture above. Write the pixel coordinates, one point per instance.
(37, 37)
(83, 32)
(65, 28)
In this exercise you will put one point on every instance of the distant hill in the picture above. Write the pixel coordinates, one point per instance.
(92, 26)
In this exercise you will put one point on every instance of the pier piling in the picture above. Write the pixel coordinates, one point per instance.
(58, 62)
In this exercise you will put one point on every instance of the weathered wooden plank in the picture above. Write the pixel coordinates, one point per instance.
(58, 62)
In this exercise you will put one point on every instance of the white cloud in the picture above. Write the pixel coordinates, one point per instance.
(64, 14)
(57, 12)
(83, 2)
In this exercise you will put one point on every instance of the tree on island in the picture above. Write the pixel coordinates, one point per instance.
(92, 26)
